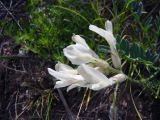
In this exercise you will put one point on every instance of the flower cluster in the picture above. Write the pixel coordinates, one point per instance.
(92, 71)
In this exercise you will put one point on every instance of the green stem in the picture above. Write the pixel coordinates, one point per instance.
(113, 109)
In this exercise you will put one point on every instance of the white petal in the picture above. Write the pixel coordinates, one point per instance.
(113, 80)
(80, 40)
(59, 75)
(119, 78)
(66, 79)
(63, 76)
(60, 84)
(97, 30)
(108, 36)
(95, 87)
(115, 58)
(79, 54)
(92, 75)
(95, 80)
(66, 68)
(108, 26)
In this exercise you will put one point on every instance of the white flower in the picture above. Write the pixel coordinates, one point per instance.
(80, 40)
(108, 35)
(65, 75)
(96, 80)
(80, 52)
(84, 76)
(65, 68)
